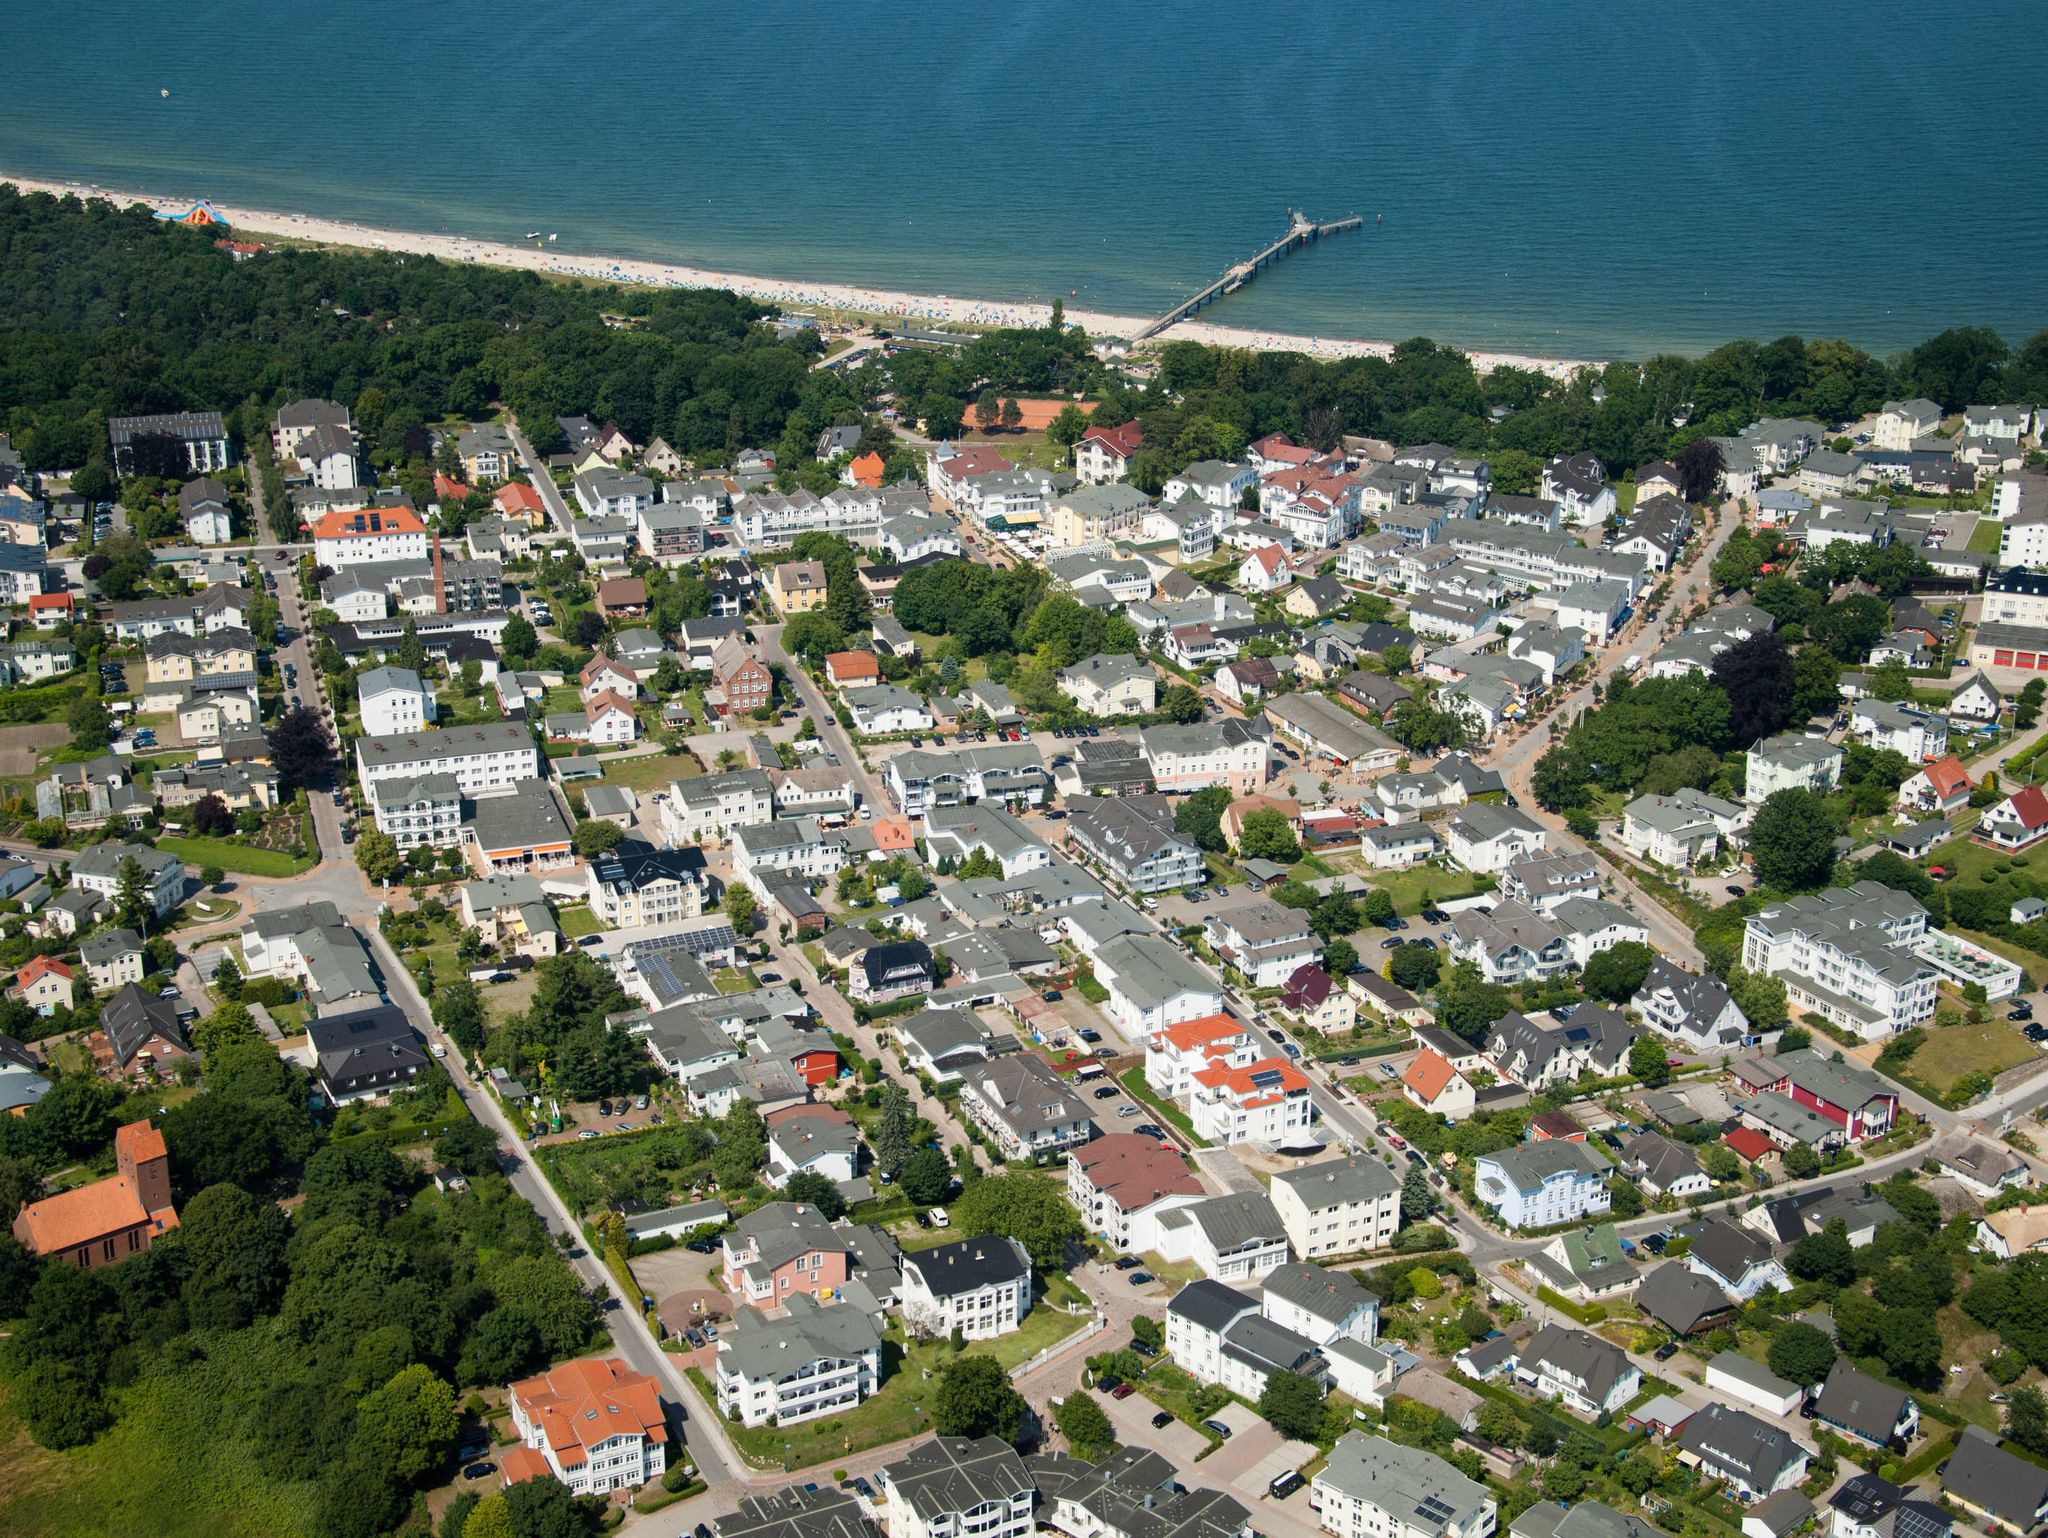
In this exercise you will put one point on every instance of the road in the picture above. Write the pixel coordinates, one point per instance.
(814, 705)
(537, 472)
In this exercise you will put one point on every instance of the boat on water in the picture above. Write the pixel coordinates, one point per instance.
(554, 237)
(533, 234)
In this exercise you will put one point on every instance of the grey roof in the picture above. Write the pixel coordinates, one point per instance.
(1782, 1512)
(1331, 1182)
(1579, 1354)
(106, 859)
(364, 1044)
(1588, 1519)
(132, 1016)
(948, 1476)
(1211, 1305)
(111, 946)
(1743, 1369)
(1331, 1296)
(1232, 1222)
(757, 1347)
(1661, 1161)
(388, 680)
(526, 819)
(1729, 1249)
(1417, 1488)
(1024, 1093)
(436, 746)
(1528, 1165)
(1859, 1403)
(1734, 1441)
(1152, 972)
(1680, 1298)
(1987, 1476)
(1266, 1347)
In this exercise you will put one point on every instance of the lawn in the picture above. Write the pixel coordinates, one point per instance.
(651, 771)
(1960, 1050)
(1984, 538)
(1134, 1081)
(1410, 889)
(1969, 860)
(239, 858)
(579, 921)
(901, 1408)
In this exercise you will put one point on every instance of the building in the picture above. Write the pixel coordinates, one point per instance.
(1755, 1458)
(1026, 1109)
(1107, 685)
(2018, 822)
(1791, 762)
(1122, 1183)
(170, 444)
(44, 985)
(1132, 839)
(484, 760)
(392, 701)
(1681, 830)
(112, 957)
(634, 884)
(1585, 1264)
(1226, 752)
(1219, 1335)
(978, 1287)
(1320, 1306)
(956, 1487)
(1859, 1406)
(1985, 1480)
(1104, 454)
(1153, 984)
(1264, 941)
(594, 1424)
(797, 587)
(1534, 1185)
(1691, 1008)
(1338, 1207)
(896, 969)
(1262, 1102)
(106, 1221)
(1374, 1488)
(1735, 1259)
(1741, 1378)
(1588, 1374)
(1433, 1084)
(1661, 1167)
(97, 869)
(813, 1361)
(1848, 954)
(363, 1054)
(1229, 1238)
(1487, 839)
(1919, 734)
(385, 532)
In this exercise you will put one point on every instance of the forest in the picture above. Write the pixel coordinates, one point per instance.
(106, 311)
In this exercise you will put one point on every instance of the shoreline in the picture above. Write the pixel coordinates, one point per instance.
(935, 309)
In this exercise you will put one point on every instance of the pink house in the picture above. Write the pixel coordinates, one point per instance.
(783, 1249)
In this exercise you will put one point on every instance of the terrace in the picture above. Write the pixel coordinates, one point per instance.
(1963, 963)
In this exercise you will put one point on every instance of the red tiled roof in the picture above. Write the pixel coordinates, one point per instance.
(518, 497)
(50, 601)
(1255, 1084)
(1135, 1171)
(840, 665)
(892, 833)
(2030, 805)
(368, 521)
(1123, 440)
(584, 1402)
(1191, 1035)
(869, 470)
(38, 967)
(1748, 1142)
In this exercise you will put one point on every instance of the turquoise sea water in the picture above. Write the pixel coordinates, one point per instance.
(1580, 177)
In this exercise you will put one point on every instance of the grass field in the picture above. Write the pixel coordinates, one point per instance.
(579, 921)
(1960, 1050)
(1984, 538)
(239, 858)
(651, 771)
(1969, 860)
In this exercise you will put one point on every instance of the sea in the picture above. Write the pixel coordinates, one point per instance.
(1577, 178)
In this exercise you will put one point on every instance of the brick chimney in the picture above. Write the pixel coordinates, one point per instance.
(440, 582)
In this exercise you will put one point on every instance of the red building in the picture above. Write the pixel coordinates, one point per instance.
(1853, 1098)
(108, 1221)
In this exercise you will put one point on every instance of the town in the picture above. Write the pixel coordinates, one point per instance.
(1053, 962)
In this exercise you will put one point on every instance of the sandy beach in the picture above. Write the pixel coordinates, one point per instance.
(935, 309)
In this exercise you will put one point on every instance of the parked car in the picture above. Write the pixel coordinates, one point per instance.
(1127, 1110)
(1107, 1092)
(480, 1470)
(1280, 1036)
(1141, 1278)
(862, 1488)
(1128, 1262)
(1217, 1428)
(1144, 1348)
(1122, 1391)
(1666, 1352)
(1108, 1385)
(1163, 1418)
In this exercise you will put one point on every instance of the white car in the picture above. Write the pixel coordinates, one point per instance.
(439, 1050)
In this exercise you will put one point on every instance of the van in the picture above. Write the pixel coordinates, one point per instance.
(1284, 1485)
(938, 1218)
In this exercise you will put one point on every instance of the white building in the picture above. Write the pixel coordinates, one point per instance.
(1218, 1335)
(1123, 1183)
(980, 1287)
(593, 1424)
(1848, 953)
(1919, 734)
(956, 1487)
(814, 1361)
(1230, 1238)
(485, 760)
(1534, 1185)
(1338, 1207)
(1791, 762)
(1374, 1488)
(393, 700)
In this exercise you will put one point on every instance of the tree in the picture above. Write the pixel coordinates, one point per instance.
(1180, 704)
(891, 1136)
(1891, 681)
(1377, 906)
(2026, 1420)
(925, 1177)
(408, 1426)
(1824, 1257)
(133, 905)
(1339, 957)
(593, 838)
(1418, 1201)
(1741, 559)
(987, 410)
(1792, 841)
(1292, 1405)
(412, 651)
(1067, 427)
(1849, 627)
(1617, 972)
(1200, 818)
(459, 1010)
(1721, 1162)
(1023, 1207)
(62, 1406)
(544, 1508)
(520, 642)
(741, 907)
(1147, 1331)
(469, 1146)
(1816, 683)
(1414, 967)
(975, 1399)
(1699, 466)
(1646, 1061)
(1801, 1354)
(300, 748)
(812, 635)
(377, 856)
(1012, 415)
(1088, 1431)
(90, 724)
(548, 1295)
(814, 1190)
(1758, 676)
(1801, 1163)
(1266, 835)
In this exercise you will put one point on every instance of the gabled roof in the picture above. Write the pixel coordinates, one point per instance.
(1428, 1075)
(1857, 1402)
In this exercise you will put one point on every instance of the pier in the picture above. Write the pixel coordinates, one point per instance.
(1301, 231)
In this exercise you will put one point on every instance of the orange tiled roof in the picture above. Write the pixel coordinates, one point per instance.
(524, 1463)
(367, 521)
(582, 1403)
(1280, 1077)
(1947, 776)
(607, 699)
(518, 497)
(892, 833)
(852, 665)
(1429, 1073)
(50, 601)
(38, 967)
(85, 1215)
(869, 469)
(1192, 1035)
(140, 1140)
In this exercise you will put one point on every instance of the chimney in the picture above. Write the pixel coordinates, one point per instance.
(440, 582)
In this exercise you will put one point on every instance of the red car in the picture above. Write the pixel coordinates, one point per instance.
(1396, 1141)
(1122, 1391)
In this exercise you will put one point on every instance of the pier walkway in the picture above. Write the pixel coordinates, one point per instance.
(1301, 231)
